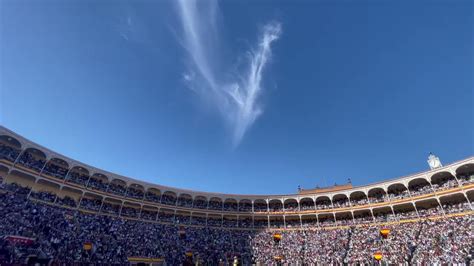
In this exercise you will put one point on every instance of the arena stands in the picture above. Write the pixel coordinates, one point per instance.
(55, 209)
(60, 232)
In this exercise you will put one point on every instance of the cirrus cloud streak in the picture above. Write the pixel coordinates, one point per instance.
(235, 94)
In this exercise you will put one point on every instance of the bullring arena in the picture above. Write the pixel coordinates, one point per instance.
(55, 210)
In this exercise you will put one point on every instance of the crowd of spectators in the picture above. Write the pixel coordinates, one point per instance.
(444, 242)
(230, 206)
(168, 199)
(215, 205)
(152, 197)
(8, 153)
(97, 184)
(445, 185)
(421, 189)
(466, 178)
(116, 189)
(55, 170)
(360, 202)
(135, 193)
(30, 161)
(58, 232)
(200, 203)
(36, 162)
(398, 195)
(185, 202)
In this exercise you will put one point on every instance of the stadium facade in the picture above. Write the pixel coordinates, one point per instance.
(76, 185)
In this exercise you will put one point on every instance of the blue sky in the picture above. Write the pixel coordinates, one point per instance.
(239, 96)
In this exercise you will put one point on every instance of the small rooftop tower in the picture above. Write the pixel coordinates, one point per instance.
(434, 161)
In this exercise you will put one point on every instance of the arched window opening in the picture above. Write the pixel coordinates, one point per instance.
(33, 159)
(57, 168)
(419, 186)
(358, 198)
(377, 195)
(275, 205)
(10, 148)
(306, 204)
(200, 202)
(323, 202)
(215, 204)
(260, 205)
(136, 191)
(185, 200)
(98, 182)
(397, 191)
(153, 195)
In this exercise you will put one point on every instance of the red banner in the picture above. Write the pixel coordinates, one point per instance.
(19, 240)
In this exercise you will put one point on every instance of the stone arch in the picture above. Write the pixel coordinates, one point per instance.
(344, 218)
(245, 205)
(306, 204)
(275, 205)
(358, 198)
(98, 181)
(214, 220)
(260, 221)
(363, 216)
(166, 215)
(149, 213)
(169, 198)
(111, 206)
(376, 194)
(340, 201)
(405, 211)
(470, 195)
(68, 197)
(153, 195)
(292, 221)
(326, 219)
(136, 191)
(245, 221)
(455, 203)
(45, 190)
(78, 175)
(383, 214)
(465, 173)
(397, 191)
(231, 205)
(21, 179)
(291, 205)
(419, 186)
(428, 207)
(323, 202)
(10, 148)
(10, 141)
(91, 202)
(215, 203)
(117, 187)
(198, 218)
(309, 220)
(200, 202)
(33, 159)
(260, 205)
(230, 221)
(277, 221)
(56, 168)
(182, 217)
(185, 200)
(443, 180)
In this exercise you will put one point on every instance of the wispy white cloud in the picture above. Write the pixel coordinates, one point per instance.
(237, 95)
(131, 29)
